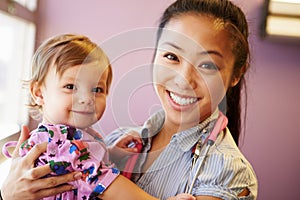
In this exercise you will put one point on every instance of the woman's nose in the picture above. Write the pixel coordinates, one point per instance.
(185, 76)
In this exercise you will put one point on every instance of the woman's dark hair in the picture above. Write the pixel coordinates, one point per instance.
(234, 21)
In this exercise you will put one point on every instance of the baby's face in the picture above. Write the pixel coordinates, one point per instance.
(77, 97)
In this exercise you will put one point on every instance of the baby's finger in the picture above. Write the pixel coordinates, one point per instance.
(137, 140)
(131, 150)
(125, 141)
(135, 136)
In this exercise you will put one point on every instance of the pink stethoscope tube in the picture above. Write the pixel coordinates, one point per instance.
(219, 126)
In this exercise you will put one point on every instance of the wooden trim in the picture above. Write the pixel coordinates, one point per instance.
(15, 9)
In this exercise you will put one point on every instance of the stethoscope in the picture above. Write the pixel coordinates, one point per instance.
(201, 153)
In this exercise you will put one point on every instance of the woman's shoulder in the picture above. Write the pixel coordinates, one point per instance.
(226, 166)
(225, 145)
(227, 157)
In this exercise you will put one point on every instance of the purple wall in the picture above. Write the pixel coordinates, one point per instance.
(272, 138)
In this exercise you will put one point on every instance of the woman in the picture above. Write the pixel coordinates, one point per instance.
(199, 65)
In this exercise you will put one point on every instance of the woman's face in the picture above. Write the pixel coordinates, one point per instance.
(192, 69)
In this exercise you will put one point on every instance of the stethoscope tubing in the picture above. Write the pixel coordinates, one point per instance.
(201, 160)
(219, 126)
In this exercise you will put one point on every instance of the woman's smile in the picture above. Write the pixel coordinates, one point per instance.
(182, 100)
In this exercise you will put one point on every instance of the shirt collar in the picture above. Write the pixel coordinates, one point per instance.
(185, 139)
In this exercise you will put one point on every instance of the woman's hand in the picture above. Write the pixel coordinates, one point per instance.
(25, 182)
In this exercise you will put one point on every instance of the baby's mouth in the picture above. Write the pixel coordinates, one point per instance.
(83, 112)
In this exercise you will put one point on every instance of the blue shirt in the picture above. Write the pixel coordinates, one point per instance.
(224, 174)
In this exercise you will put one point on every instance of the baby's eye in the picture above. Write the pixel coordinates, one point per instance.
(70, 86)
(98, 90)
(171, 56)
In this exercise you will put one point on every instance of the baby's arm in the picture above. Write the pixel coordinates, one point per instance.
(182, 196)
(123, 188)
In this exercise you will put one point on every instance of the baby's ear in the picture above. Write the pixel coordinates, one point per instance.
(36, 93)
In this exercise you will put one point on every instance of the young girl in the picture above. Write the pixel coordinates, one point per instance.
(70, 79)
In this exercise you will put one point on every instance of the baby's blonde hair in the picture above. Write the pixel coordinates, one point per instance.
(62, 52)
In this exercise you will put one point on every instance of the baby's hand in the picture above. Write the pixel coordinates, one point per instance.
(182, 196)
(125, 145)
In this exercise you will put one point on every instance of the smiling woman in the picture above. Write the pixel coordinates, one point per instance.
(195, 74)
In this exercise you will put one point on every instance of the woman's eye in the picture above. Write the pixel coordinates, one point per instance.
(70, 86)
(98, 90)
(172, 57)
(209, 66)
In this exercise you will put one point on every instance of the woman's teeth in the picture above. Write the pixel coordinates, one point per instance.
(181, 100)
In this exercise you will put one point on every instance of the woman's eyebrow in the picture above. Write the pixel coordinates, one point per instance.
(211, 52)
(208, 52)
(172, 45)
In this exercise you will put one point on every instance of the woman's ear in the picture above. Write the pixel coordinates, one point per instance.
(235, 81)
(36, 93)
(237, 77)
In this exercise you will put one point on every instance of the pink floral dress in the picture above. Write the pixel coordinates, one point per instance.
(70, 149)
